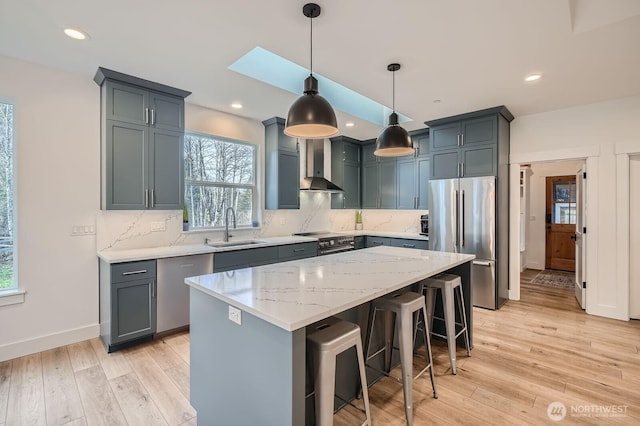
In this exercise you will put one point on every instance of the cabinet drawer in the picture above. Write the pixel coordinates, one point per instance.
(377, 241)
(408, 243)
(243, 258)
(130, 271)
(297, 251)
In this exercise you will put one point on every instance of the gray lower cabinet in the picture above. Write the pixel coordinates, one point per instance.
(142, 143)
(282, 167)
(128, 303)
(359, 242)
(372, 241)
(297, 251)
(409, 243)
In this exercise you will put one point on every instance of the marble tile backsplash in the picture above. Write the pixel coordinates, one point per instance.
(123, 230)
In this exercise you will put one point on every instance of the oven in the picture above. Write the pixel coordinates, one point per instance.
(330, 243)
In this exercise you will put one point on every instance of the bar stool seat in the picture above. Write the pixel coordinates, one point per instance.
(325, 341)
(447, 284)
(405, 306)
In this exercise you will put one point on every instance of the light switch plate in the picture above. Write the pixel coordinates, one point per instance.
(235, 315)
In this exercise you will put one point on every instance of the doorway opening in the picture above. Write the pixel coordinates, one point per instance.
(551, 248)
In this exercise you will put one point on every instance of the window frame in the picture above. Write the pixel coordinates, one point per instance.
(14, 294)
(255, 196)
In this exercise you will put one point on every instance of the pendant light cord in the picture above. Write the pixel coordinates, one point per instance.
(311, 49)
(393, 102)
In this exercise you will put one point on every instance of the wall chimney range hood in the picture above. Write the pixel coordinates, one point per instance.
(315, 180)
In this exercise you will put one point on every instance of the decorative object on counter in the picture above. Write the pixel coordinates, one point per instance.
(358, 220)
(311, 116)
(185, 218)
(394, 141)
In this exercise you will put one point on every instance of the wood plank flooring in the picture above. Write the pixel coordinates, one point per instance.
(530, 353)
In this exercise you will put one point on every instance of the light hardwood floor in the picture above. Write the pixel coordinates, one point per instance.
(528, 354)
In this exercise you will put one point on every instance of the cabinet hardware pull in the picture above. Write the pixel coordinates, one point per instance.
(298, 250)
(481, 263)
(146, 115)
(153, 116)
(146, 198)
(409, 245)
(152, 198)
(459, 170)
(141, 271)
(462, 139)
(186, 265)
(458, 139)
(462, 238)
(377, 243)
(462, 169)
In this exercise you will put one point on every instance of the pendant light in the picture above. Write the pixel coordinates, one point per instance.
(311, 116)
(394, 141)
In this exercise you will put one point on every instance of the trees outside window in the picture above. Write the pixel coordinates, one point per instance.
(219, 173)
(6, 197)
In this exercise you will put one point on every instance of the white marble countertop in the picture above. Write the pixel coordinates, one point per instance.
(117, 256)
(292, 295)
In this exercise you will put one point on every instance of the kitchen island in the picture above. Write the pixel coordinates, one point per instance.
(254, 372)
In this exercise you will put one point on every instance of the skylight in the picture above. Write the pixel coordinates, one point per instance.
(277, 71)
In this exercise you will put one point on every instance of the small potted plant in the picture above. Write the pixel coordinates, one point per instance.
(185, 218)
(358, 220)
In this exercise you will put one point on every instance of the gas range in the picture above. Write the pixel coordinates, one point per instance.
(330, 242)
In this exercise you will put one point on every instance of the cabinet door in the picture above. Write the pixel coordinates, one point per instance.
(167, 112)
(478, 131)
(377, 241)
(351, 153)
(351, 186)
(126, 166)
(421, 144)
(133, 310)
(287, 143)
(424, 171)
(407, 183)
(388, 185)
(407, 243)
(444, 136)
(166, 177)
(480, 161)
(370, 186)
(444, 165)
(297, 251)
(288, 180)
(367, 153)
(129, 104)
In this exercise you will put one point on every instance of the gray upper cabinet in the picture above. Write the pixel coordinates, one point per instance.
(424, 171)
(421, 140)
(468, 145)
(282, 167)
(370, 186)
(407, 183)
(387, 185)
(378, 179)
(345, 172)
(413, 174)
(142, 143)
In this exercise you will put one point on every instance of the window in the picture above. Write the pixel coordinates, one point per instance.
(219, 173)
(564, 202)
(7, 280)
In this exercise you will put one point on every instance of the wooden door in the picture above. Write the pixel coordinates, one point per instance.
(561, 223)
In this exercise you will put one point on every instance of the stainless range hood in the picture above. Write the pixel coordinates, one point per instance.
(315, 180)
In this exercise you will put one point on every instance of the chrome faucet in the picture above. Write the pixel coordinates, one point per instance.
(226, 235)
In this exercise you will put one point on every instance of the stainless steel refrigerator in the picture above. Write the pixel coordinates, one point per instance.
(462, 216)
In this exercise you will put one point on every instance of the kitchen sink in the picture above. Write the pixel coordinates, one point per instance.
(221, 244)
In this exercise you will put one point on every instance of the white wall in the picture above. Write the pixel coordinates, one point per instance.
(57, 132)
(594, 132)
(536, 244)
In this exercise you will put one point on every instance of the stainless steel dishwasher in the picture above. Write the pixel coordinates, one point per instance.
(173, 293)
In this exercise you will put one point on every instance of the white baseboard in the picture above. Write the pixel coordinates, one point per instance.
(50, 341)
(535, 265)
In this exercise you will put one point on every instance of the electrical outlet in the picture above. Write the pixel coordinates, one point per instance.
(283, 221)
(158, 226)
(235, 315)
(79, 230)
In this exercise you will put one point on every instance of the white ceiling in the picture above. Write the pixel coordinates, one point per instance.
(470, 54)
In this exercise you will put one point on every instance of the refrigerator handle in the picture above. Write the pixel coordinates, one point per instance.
(457, 219)
(462, 237)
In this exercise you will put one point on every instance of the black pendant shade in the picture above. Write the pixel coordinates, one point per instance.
(311, 116)
(394, 141)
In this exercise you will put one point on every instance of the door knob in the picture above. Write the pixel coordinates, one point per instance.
(573, 237)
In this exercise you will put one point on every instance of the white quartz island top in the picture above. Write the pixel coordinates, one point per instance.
(292, 295)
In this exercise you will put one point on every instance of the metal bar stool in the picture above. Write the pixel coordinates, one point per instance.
(404, 306)
(325, 341)
(447, 283)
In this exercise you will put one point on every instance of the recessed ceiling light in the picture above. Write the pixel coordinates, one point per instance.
(533, 77)
(236, 105)
(76, 34)
(349, 124)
